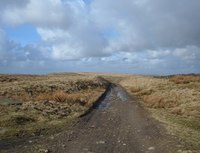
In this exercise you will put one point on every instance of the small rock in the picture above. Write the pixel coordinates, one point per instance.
(124, 144)
(151, 148)
(30, 141)
(138, 131)
(100, 142)
(52, 137)
(44, 150)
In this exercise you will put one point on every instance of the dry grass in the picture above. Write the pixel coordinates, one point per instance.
(28, 88)
(52, 100)
(184, 79)
(178, 96)
(46, 102)
(59, 96)
(165, 93)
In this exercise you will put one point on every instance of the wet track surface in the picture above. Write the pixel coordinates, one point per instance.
(117, 125)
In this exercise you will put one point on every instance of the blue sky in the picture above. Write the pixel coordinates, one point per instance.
(130, 36)
(24, 34)
(87, 1)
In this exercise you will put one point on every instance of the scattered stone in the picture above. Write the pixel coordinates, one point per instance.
(100, 142)
(151, 148)
(52, 137)
(124, 144)
(30, 141)
(44, 150)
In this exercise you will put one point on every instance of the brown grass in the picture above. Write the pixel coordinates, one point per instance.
(184, 79)
(135, 89)
(177, 96)
(59, 96)
(48, 101)
(165, 93)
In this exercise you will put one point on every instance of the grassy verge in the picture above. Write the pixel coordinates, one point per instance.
(174, 100)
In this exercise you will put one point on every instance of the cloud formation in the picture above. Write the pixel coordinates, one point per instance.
(146, 24)
(137, 34)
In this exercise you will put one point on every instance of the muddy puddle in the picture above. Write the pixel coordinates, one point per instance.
(115, 92)
(121, 94)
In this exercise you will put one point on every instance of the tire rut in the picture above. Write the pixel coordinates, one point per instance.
(119, 125)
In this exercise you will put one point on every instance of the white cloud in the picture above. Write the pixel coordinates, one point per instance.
(150, 24)
(45, 13)
(189, 53)
(147, 34)
(63, 25)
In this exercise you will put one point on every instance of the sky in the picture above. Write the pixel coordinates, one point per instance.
(156, 37)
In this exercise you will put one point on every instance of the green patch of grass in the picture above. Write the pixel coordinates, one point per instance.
(193, 124)
(17, 123)
(187, 130)
(18, 126)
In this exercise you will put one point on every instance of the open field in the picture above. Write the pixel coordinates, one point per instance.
(173, 100)
(32, 104)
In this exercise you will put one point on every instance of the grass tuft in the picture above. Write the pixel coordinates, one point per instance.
(59, 96)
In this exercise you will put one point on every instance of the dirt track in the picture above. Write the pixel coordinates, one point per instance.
(117, 125)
